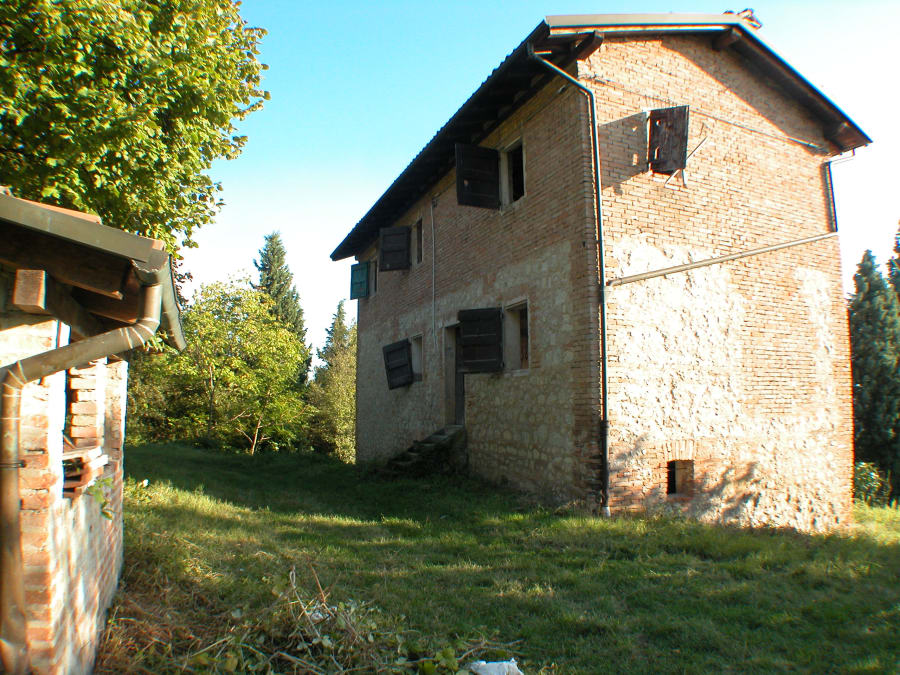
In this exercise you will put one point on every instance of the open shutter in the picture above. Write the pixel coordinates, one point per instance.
(477, 176)
(667, 151)
(398, 364)
(393, 249)
(359, 281)
(481, 340)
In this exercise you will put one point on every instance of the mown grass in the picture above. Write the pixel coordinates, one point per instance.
(213, 536)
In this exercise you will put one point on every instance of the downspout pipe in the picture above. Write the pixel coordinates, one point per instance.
(13, 378)
(604, 395)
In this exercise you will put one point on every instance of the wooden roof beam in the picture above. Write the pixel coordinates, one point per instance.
(68, 263)
(36, 292)
(726, 38)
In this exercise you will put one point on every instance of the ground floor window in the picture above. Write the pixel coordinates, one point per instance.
(680, 477)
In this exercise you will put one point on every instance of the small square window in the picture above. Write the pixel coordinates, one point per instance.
(516, 347)
(680, 477)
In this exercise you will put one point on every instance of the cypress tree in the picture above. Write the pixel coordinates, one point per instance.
(875, 354)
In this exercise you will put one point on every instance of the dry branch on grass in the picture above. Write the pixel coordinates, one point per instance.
(295, 634)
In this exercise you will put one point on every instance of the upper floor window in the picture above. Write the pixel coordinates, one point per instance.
(489, 178)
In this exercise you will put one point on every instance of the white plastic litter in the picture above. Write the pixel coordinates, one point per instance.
(495, 668)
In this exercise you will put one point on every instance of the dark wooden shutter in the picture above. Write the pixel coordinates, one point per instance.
(477, 176)
(398, 364)
(393, 249)
(667, 151)
(481, 340)
(359, 281)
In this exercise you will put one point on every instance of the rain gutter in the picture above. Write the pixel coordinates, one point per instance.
(603, 437)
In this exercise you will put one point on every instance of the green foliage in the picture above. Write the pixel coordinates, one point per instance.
(870, 486)
(99, 490)
(277, 281)
(235, 383)
(875, 347)
(119, 106)
(894, 264)
(333, 393)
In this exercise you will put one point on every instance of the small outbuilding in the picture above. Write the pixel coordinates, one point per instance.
(75, 296)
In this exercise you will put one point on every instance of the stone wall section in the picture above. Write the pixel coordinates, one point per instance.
(531, 427)
(742, 367)
(72, 554)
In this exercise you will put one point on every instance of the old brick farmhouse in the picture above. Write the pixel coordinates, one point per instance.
(617, 266)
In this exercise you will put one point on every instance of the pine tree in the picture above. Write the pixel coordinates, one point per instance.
(894, 263)
(875, 354)
(338, 336)
(277, 281)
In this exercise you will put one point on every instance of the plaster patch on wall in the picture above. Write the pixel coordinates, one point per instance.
(816, 292)
(680, 389)
(678, 371)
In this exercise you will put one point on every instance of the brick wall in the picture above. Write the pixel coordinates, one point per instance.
(527, 427)
(72, 555)
(740, 368)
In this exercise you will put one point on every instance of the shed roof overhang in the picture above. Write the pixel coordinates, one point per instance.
(96, 271)
(561, 40)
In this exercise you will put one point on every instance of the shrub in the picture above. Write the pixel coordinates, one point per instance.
(870, 485)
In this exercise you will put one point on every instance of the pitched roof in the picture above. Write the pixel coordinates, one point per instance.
(105, 266)
(565, 37)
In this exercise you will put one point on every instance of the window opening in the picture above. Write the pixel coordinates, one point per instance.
(515, 173)
(419, 247)
(680, 477)
(516, 347)
(416, 355)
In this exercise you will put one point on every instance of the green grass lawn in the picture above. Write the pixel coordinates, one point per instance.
(213, 537)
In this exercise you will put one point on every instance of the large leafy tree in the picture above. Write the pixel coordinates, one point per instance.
(120, 106)
(875, 341)
(333, 392)
(235, 383)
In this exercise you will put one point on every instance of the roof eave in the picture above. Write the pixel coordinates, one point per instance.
(151, 263)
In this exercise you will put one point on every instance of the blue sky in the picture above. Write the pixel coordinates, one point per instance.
(358, 88)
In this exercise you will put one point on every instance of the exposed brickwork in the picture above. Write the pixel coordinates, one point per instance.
(742, 367)
(72, 555)
(540, 249)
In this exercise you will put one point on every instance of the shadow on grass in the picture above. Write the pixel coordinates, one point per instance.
(457, 557)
